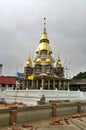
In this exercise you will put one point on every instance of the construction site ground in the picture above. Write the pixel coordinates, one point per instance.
(74, 122)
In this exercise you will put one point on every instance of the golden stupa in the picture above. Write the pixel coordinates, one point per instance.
(44, 42)
(48, 61)
(39, 60)
(58, 63)
(29, 62)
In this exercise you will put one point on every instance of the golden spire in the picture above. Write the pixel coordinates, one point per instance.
(48, 61)
(44, 42)
(44, 25)
(44, 34)
(58, 63)
(39, 60)
(29, 61)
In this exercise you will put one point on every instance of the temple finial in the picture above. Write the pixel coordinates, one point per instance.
(44, 20)
(44, 24)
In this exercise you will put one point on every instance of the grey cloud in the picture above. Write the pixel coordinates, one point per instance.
(21, 26)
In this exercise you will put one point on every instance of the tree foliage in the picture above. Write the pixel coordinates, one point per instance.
(80, 75)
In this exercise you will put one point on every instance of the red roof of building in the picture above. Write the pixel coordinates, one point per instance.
(7, 80)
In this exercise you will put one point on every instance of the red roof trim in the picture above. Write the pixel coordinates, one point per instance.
(7, 80)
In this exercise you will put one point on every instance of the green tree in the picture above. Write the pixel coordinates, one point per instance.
(80, 75)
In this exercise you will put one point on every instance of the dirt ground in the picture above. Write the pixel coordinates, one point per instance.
(74, 122)
(5, 105)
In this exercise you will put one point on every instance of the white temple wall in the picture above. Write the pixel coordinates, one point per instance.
(30, 97)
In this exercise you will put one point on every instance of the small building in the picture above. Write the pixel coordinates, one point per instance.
(77, 84)
(7, 82)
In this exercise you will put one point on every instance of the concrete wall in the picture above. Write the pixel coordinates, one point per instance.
(27, 114)
(4, 117)
(66, 109)
(83, 107)
(34, 113)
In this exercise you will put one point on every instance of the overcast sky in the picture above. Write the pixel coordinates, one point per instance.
(21, 26)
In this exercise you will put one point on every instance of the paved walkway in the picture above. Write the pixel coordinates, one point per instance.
(75, 122)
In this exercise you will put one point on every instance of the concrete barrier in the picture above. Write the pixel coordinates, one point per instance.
(34, 113)
(28, 114)
(4, 117)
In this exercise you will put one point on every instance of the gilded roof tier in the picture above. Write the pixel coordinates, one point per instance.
(44, 46)
(44, 36)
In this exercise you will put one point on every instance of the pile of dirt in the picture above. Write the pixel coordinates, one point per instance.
(7, 105)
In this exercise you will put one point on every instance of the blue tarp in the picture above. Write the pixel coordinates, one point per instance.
(20, 75)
